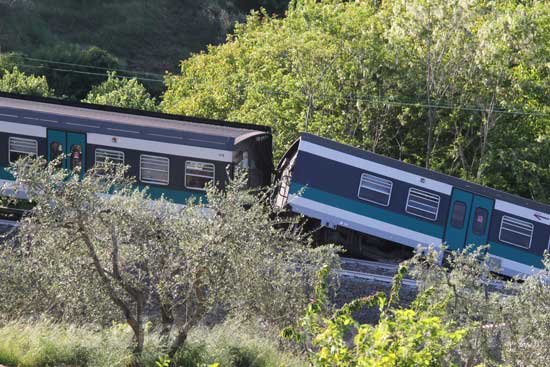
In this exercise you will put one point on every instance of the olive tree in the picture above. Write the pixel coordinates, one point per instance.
(95, 246)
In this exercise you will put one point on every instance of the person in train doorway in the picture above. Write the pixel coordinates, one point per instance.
(76, 157)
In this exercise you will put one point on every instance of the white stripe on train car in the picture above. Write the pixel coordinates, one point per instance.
(374, 167)
(22, 129)
(335, 216)
(523, 212)
(158, 147)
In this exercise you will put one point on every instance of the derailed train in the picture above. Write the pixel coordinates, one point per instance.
(345, 189)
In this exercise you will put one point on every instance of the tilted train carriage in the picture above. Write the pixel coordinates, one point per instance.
(341, 187)
(346, 188)
(175, 156)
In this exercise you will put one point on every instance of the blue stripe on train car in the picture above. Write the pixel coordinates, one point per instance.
(515, 254)
(338, 207)
(177, 196)
(4, 174)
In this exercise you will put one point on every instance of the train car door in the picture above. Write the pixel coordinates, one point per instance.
(73, 145)
(480, 217)
(458, 219)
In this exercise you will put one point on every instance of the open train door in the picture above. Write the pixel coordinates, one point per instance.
(73, 145)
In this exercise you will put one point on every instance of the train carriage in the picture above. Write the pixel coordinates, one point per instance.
(174, 156)
(348, 188)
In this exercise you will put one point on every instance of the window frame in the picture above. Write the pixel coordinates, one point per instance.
(372, 201)
(517, 220)
(141, 156)
(463, 216)
(35, 141)
(196, 175)
(425, 193)
(485, 220)
(98, 164)
(110, 151)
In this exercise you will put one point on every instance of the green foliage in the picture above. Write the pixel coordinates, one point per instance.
(74, 84)
(272, 6)
(145, 35)
(238, 343)
(507, 322)
(415, 336)
(15, 81)
(121, 92)
(432, 83)
(39, 343)
(9, 61)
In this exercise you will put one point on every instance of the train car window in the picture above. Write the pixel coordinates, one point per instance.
(516, 232)
(104, 155)
(458, 214)
(479, 221)
(154, 170)
(56, 149)
(422, 204)
(375, 189)
(19, 147)
(76, 156)
(198, 174)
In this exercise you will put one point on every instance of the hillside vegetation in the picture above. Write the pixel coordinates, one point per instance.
(144, 34)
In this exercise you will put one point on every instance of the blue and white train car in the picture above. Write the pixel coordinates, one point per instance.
(175, 156)
(353, 189)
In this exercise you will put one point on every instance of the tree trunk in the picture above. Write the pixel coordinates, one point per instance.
(178, 342)
(139, 336)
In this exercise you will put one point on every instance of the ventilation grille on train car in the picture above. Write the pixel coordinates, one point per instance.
(516, 232)
(422, 204)
(375, 189)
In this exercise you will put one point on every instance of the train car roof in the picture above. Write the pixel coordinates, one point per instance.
(456, 182)
(132, 121)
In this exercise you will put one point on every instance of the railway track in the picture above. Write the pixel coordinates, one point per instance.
(7, 225)
(371, 271)
(384, 272)
(376, 277)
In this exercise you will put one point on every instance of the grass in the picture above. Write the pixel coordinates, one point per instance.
(45, 343)
(241, 344)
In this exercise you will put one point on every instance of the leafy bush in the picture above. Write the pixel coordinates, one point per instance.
(508, 321)
(415, 336)
(15, 81)
(121, 92)
(77, 83)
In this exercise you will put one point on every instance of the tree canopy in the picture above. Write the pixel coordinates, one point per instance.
(15, 81)
(460, 86)
(121, 92)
